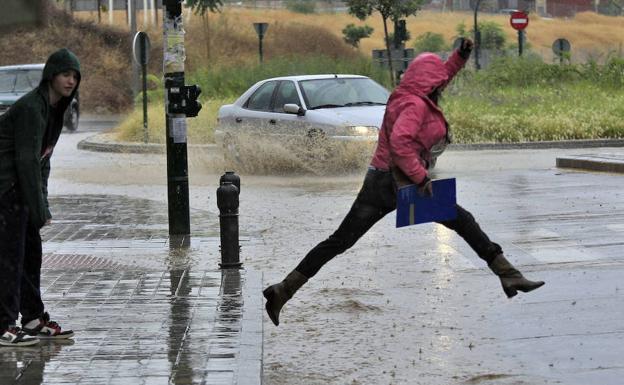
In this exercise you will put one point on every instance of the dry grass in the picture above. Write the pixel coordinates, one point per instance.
(228, 38)
(232, 36)
(101, 51)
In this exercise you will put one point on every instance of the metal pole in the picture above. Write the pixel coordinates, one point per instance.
(260, 37)
(177, 161)
(520, 41)
(133, 31)
(111, 11)
(477, 37)
(152, 12)
(144, 71)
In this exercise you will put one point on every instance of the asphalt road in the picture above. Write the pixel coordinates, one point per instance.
(415, 305)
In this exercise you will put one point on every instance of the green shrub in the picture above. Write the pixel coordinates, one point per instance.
(492, 35)
(353, 34)
(228, 81)
(430, 42)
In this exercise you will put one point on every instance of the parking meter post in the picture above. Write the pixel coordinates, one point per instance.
(177, 162)
(228, 202)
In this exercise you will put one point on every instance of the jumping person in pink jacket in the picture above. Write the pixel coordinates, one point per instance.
(413, 124)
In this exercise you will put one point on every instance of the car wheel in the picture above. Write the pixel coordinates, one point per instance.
(72, 118)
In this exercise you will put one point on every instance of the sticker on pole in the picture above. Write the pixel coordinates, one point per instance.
(178, 130)
(519, 20)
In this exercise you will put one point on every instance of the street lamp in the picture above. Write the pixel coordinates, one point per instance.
(477, 36)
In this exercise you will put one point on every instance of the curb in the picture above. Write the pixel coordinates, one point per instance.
(588, 143)
(97, 143)
(605, 163)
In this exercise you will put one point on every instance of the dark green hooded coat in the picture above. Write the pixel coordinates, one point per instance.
(22, 132)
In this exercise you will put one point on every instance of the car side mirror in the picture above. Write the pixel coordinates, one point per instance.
(292, 108)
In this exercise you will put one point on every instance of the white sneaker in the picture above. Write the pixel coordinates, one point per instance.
(14, 336)
(43, 328)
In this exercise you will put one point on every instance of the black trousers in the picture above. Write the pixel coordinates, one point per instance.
(20, 262)
(376, 198)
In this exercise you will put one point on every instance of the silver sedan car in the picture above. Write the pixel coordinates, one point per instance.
(300, 110)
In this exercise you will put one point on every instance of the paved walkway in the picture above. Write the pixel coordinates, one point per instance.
(143, 313)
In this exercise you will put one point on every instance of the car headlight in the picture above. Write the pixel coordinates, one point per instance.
(363, 130)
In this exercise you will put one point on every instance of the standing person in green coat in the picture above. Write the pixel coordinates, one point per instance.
(29, 131)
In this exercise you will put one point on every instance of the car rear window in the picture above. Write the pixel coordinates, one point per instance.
(27, 80)
(7, 81)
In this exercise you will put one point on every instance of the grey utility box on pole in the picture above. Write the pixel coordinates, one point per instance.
(401, 58)
(261, 29)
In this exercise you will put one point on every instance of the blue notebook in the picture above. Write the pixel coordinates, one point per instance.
(412, 208)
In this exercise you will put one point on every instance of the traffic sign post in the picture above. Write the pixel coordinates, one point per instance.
(519, 21)
(140, 50)
(561, 47)
(261, 29)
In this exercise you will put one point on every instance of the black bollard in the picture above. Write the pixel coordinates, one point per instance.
(227, 201)
(230, 176)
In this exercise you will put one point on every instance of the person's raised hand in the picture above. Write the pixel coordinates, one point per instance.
(465, 48)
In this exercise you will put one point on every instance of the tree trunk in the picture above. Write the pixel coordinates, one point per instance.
(388, 51)
(206, 34)
(99, 9)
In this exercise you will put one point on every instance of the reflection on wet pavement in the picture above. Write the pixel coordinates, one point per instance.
(143, 313)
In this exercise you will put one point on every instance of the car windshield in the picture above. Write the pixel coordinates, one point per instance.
(342, 92)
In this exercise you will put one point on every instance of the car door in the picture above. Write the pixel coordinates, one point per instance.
(253, 117)
(283, 123)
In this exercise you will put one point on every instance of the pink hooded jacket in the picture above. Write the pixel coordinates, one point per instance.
(413, 123)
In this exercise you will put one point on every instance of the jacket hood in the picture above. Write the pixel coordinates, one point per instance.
(60, 61)
(424, 74)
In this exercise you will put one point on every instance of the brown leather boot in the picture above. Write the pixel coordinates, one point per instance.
(277, 295)
(511, 279)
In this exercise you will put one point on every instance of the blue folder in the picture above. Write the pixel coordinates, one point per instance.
(412, 208)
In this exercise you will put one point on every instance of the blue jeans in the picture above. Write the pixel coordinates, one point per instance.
(376, 198)
(20, 262)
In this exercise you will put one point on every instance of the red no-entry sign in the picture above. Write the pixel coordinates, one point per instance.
(519, 20)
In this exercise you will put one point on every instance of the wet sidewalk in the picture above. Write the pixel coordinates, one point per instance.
(143, 313)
